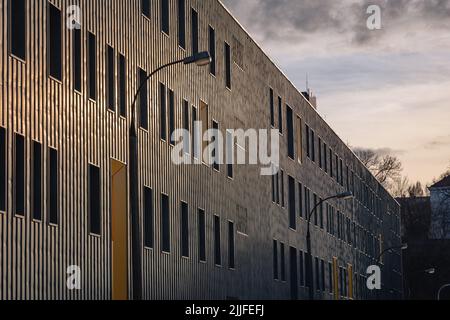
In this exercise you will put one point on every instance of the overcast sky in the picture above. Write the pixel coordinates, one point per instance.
(385, 89)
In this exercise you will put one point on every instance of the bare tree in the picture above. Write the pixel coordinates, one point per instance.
(416, 190)
(399, 188)
(385, 167)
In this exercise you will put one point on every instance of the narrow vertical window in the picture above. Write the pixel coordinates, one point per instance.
(275, 260)
(20, 176)
(194, 31)
(217, 244)
(37, 182)
(77, 59)
(54, 43)
(148, 218)
(186, 137)
(299, 140)
(280, 115)
(290, 132)
(162, 112)
(317, 276)
(184, 233)
(277, 184)
(216, 153)
(204, 116)
(110, 76)
(182, 23)
(201, 236)
(165, 16)
(300, 199)
(165, 223)
(282, 189)
(325, 157)
(330, 153)
(53, 187)
(302, 269)
(143, 100)
(195, 134)
(319, 146)
(313, 146)
(283, 262)
(122, 86)
(272, 177)
(330, 277)
(18, 25)
(227, 65)
(322, 273)
(315, 211)
(230, 151)
(171, 116)
(212, 50)
(92, 72)
(3, 172)
(94, 200)
(231, 245)
(271, 106)
(292, 213)
(308, 142)
(145, 8)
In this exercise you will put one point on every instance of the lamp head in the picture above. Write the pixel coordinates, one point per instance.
(430, 271)
(345, 196)
(404, 246)
(200, 59)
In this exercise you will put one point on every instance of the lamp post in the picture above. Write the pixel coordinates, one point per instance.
(429, 271)
(200, 59)
(403, 247)
(341, 196)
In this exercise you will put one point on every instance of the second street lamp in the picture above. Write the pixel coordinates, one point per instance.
(341, 196)
(200, 59)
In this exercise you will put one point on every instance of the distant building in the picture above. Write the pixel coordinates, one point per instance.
(440, 208)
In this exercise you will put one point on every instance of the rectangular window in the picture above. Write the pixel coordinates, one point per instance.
(148, 217)
(53, 187)
(299, 140)
(272, 111)
(317, 275)
(37, 182)
(122, 86)
(308, 142)
(182, 23)
(227, 65)
(92, 71)
(165, 223)
(330, 153)
(3, 172)
(330, 277)
(195, 134)
(201, 236)
(282, 189)
(19, 173)
(302, 268)
(292, 210)
(162, 112)
(194, 31)
(277, 182)
(54, 42)
(283, 262)
(217, 251)
(231, 253)
(110, 95)
(216, 153)
(94, 200)
(322, 274)
(18, 25)
(165, 16)
(321, 213)
(184, 230)
(230, 149)
(204, 118)
(280, 115)
(313, 146)
(325, 158)
(319, 146)
(77, 59)
(143, 99)
(171, 116)
(186, 138)
(290, 132)
(275, 260)
(300, 200)
(145, 8)
(212, 50)
(272, 177)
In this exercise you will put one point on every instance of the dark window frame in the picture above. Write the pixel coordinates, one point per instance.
(94, 200)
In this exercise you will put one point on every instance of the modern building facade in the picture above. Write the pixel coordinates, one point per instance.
(207, 232)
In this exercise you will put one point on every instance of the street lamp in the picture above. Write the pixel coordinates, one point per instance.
(340, 196)
(200, 59)
(445, 286)
(403, 247)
